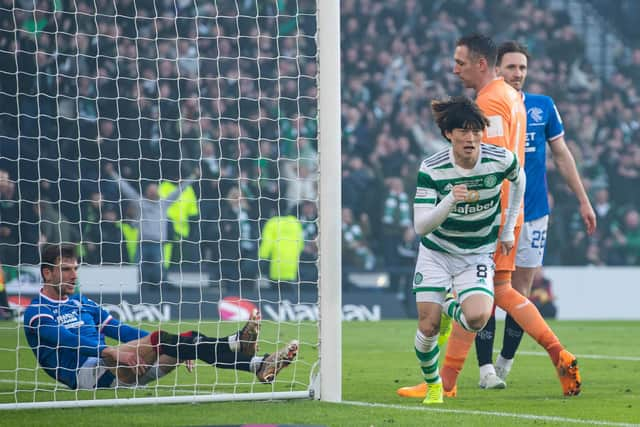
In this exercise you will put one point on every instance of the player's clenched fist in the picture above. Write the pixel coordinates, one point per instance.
(460, 192)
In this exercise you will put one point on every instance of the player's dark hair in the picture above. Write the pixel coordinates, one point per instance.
(50, 254)
(480, 46)
(458, 112)
(512, 46)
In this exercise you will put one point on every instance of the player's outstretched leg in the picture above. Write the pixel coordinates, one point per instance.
(273, 363)
(193, 345)
(227, 352)
(190, 345)
(530, 319)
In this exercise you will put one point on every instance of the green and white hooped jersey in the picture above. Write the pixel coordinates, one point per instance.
(472, 226)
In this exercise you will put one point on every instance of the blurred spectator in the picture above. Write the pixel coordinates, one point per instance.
(566, 47)
(54, 226)
(308, 213)
(267, 175)
(602, 207)
(210, 207)
(100, 235)
(627, 237)
(355, 136)
(542, 296)
(112, 245)
(9, 217)
(593, 256)
(153, 222)
(357, 182)
(401, 282)
(128, 240)
(282, 244)
(183, 215)
(396, 218)
(301, 182)
(238, 242)
(210, 161)
(356, 251)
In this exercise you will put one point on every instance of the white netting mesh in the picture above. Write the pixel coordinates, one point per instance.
(112, 111)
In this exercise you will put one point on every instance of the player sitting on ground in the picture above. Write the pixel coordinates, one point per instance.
(67, 335)
(457, 212)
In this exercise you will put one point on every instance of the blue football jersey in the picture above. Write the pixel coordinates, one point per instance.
(543, 124)
(63, 334)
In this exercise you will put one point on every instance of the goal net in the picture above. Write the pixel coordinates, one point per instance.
(176, 144)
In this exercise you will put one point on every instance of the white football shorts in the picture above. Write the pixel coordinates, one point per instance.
(90, 373)
(436, 272)
(533, 239)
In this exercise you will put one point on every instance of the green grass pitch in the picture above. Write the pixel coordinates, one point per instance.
(377, 359)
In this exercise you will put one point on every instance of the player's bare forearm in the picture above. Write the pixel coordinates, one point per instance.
(566, 164)
(124, 357)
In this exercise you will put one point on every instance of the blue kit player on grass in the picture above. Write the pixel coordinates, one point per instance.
(67, 335)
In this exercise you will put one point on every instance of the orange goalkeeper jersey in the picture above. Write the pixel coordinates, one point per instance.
(504, 107)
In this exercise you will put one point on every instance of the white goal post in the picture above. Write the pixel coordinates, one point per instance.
(329, 147)
(235, 106)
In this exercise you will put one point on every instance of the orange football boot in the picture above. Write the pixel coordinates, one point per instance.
(569, 374)
(419, 391)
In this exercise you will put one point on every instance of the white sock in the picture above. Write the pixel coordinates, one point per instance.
(487, 369)
(234, 343)
(504, 363)
(255, 363)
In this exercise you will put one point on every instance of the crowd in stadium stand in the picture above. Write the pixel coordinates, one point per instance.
(153, 92)
(398, 56)
(160, 90)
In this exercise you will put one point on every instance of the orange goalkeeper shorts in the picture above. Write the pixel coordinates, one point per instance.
(507, 262)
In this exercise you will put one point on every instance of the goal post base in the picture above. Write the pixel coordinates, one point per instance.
(223, 397)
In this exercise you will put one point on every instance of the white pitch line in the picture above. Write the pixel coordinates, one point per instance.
(439, 410)
(581, 356)
(548, 418)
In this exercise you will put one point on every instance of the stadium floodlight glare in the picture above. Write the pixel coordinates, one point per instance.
(231, 107)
